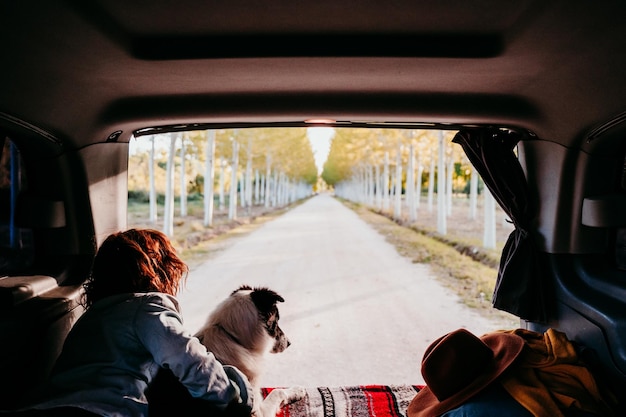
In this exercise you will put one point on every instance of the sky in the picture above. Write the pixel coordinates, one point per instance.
(320, 142)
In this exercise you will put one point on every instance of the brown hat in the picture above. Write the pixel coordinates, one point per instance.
(459, 365)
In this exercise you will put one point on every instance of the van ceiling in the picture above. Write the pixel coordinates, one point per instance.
(85, 69)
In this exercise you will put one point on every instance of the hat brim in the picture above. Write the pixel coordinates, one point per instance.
(506, 348)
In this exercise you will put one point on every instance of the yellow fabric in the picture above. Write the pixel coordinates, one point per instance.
(548, 377)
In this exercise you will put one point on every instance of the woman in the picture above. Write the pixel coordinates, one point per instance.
(131, 328)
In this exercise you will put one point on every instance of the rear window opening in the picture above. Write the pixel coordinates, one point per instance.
(357, 152)
(447, 226)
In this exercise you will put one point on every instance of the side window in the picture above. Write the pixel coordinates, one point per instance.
(16, 243)
(620, 236)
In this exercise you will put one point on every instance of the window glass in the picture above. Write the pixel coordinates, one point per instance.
(16, 248)
(620, 234)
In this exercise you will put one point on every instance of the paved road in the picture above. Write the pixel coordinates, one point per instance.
(355, 311)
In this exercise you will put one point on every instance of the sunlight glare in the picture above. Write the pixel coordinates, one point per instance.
(320, 142)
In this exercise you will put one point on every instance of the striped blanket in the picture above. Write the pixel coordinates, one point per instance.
(352, 401)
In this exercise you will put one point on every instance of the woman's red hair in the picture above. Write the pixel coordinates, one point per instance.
(135, 261)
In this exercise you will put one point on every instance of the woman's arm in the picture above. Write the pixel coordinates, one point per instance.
(160, 328)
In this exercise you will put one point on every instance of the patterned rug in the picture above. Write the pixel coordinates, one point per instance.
(352, 401)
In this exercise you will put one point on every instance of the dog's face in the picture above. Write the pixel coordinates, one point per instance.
(265, 301)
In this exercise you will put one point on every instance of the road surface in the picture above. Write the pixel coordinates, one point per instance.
(355, 311)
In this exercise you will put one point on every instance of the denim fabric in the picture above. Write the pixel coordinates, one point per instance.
(493, 401)
(116, 348)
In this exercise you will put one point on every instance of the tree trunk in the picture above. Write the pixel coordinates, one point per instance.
(410, 185)
(449, 173)
(418, 183)
(232, 201)
(489, 237)
(257, 187)
(441, 186)
(379, 194)
(386, 183)
(209, 178)
(249, 177)
(168, 216)
(268, 180)
(242, 189)
(473, 193)
(183, 179)
(275, 188)
(153, 199)
(222, 184)
(431, 181)
(370, 185)
(397, 209)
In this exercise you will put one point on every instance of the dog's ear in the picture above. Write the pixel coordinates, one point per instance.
(242, 288)
(264, 299)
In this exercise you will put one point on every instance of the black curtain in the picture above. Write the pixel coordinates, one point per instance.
(521, 287)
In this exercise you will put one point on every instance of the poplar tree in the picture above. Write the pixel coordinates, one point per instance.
(153, 199)
(168, 216)
(209, 177)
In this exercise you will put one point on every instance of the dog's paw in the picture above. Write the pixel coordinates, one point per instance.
(295, 393)
(282, 396)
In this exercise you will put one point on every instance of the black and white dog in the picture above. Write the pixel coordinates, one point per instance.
(241, 331)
